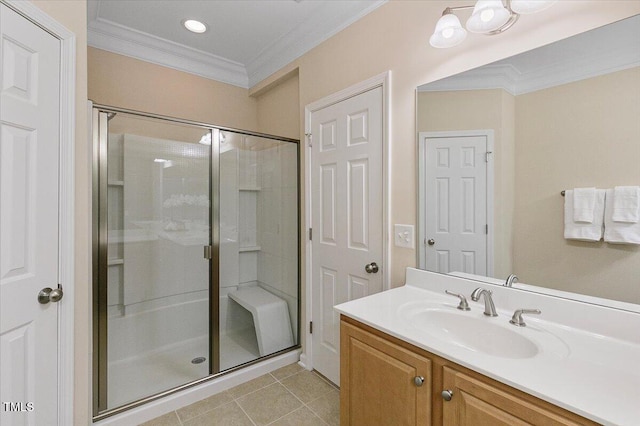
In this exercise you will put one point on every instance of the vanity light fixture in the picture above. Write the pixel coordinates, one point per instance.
(194, 26)
(489, 17)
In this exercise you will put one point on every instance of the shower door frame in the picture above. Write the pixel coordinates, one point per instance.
(99, 118)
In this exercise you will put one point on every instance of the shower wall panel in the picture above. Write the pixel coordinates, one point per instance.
(278, 224)
(166, 218)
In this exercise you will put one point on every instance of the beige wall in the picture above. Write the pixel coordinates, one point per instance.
(73, 15)
(120, 81)
(577, 135)
(279, 106)
(479, 110)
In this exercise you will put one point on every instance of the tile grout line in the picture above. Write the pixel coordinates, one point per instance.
(303, 403)
(311, 409)
(245, 413)
(259, 389)
(292, 394)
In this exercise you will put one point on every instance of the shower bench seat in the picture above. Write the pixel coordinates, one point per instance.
(270, 318)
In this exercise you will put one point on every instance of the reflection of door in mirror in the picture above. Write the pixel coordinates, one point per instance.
(456, 201)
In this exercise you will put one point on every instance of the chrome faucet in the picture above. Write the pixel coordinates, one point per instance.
(489, 307)
(513, 278)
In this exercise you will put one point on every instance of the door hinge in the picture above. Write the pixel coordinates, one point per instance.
(207, 252)
(487, 154)
(486, 229)
(310, 234)
(309, 138)
(310, 327)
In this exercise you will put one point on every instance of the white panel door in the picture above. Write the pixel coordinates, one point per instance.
(456, 204)
(346, 180)
(29, 152)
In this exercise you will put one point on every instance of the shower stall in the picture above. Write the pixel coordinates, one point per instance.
(195, 256)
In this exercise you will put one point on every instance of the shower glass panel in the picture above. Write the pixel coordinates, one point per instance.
(258, 247)
(158, 221)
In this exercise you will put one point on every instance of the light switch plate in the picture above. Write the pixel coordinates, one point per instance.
(403, 236)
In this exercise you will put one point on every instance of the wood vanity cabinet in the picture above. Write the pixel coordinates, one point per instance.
(386, 381)
(381, 383)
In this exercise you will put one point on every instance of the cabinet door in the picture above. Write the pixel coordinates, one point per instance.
(378, 382)
(476, 403)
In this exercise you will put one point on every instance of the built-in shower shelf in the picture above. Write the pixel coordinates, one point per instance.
(115, 262)
(249, 248)
(249, 188)
(115, 183)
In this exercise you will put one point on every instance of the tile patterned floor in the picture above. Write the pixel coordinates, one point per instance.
(289, 396)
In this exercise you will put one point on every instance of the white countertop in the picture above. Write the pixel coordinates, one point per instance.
(590, 365)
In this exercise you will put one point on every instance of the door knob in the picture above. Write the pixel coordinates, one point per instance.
(431, 242)
(48, 294)
(371, 268)
(418, 380)
(447, 394)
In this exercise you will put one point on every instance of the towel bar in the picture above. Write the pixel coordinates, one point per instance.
(562, 192)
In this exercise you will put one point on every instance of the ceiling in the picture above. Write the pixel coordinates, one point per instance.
(246, 41)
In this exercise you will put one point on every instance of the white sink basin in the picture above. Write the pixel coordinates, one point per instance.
(473, 333)
(476, 332)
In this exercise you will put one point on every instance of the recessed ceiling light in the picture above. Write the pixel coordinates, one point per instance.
(194, 26)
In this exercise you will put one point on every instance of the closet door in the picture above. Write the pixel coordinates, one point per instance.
(29, 173)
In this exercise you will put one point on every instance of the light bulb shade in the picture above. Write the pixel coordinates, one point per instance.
(448, 32)
(488, 16)
(523, 7)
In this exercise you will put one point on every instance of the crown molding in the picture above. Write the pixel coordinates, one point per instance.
(570, 69)
(107, 35)
(315, 30)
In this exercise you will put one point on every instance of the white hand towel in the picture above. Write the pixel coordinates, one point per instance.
(618, 232)
(584, 203)
(626, 203)
(584, 231)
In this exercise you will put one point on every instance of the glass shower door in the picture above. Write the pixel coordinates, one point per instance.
(155, 195)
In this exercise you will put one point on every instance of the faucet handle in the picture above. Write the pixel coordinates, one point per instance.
(516, 319)
(463, 305)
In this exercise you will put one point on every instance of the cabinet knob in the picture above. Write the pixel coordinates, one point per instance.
(418, 380)
(447, 394)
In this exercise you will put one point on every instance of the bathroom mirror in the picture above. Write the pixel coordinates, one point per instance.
(563, 116)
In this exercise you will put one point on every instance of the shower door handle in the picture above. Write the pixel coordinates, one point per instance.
(208, 252)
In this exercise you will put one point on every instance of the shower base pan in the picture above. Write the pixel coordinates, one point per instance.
(154, 372)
